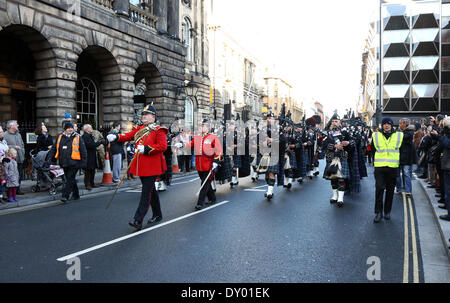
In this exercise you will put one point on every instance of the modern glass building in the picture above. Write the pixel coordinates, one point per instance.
(415, 58)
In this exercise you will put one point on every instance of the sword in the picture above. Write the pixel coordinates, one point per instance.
(206, 180)
(121, 180)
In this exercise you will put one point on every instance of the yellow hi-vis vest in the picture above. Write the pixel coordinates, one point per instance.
(75, 148)
(387, 150)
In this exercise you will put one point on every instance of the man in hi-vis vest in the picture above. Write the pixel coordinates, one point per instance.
(386, 144)
(70, 152)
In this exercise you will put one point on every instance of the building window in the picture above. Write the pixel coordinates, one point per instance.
(87, 102)
(187, 39)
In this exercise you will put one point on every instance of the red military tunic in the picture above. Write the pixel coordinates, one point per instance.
(207, 149)
(154, 163)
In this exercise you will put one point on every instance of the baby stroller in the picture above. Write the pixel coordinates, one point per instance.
(48, 176)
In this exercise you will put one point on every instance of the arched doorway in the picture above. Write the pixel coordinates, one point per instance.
(25, 57)
(98, 88)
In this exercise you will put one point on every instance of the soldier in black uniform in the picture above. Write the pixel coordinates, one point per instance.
(337, 145)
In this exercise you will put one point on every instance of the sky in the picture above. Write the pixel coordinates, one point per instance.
(315, 45)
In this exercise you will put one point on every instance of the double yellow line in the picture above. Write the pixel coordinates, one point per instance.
(407, 202)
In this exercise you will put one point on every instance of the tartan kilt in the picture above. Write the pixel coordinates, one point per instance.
(245, 169)
(345, 170)
(237, 161)
(224, 171)
(292, 161)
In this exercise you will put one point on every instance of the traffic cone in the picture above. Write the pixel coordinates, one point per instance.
(107, 174)
(175, 168)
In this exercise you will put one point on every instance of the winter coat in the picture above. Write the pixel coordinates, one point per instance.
(43, 142)
(14, 140)
(91, 148)
(12, 173)
(445, 160)
(116, 147)
(407, 150)
(3, 148)
(65, 152)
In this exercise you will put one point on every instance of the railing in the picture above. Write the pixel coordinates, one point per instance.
(105, 3)
(141, 16)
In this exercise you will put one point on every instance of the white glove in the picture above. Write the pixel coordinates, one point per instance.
(141, 149)
(178, 145)
(111, 138)
(215, 165)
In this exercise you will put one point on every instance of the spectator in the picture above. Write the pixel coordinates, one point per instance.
(100, 149)
(91, 162)
(407, 157)
(116, 152)
(423, 151)
(3, 149)
(12, 174)
(14, 140)
(445, 166)
(44, 139)
(70, 150)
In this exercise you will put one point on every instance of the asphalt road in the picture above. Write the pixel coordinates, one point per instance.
(296, 237)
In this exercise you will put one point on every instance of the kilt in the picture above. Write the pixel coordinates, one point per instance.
(237, 161)
(224, 172)
(345, 169)
(245, 169)
(292, 161)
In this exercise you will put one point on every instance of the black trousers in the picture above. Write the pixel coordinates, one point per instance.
(89, 175)
(385, 180)
(207, 189)
(149, 197)
(71, 183)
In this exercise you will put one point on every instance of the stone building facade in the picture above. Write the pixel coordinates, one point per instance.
(236, 76)
(279, 92)
(100, 60)
(194, 35)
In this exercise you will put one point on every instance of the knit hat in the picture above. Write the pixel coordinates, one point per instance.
(67, 125)
(67, 116)
(387, 120)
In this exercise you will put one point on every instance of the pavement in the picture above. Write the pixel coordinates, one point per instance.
(443, 226)
(32, 200)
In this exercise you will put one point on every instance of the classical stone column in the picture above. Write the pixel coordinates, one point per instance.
(160, 8)
(173, 18)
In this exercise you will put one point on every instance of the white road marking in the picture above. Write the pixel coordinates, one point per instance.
(77, 254)
(190, 181)
(258, 190)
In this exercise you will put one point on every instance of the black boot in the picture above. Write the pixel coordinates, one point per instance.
(136, 224)
(377, 218)
(154, 219)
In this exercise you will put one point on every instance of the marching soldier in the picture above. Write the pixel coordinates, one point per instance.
(336, 144)
(208, 151)
(148, 163)
(274, 159)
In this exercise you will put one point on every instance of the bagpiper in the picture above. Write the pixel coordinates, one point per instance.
(148, 163)
(272, 162)
(337, 145)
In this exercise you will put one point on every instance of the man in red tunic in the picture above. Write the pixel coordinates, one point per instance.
(148, 164)
(208, 153)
